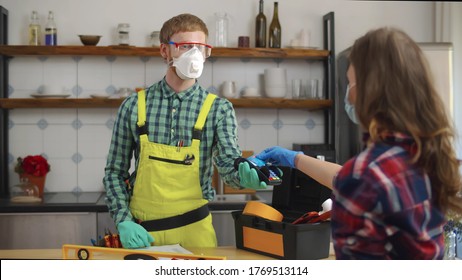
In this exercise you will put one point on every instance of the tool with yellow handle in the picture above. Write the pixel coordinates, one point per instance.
(80, 252)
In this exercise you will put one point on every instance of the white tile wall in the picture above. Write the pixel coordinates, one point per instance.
(128, 72)
(94, 75)
(76, 141)
(26, 76)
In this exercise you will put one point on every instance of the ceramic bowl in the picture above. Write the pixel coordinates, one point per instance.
(250, 92)
(89, 40)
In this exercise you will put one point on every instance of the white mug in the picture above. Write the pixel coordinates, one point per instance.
(228, 89)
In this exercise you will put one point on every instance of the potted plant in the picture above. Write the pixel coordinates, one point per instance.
(34, 168)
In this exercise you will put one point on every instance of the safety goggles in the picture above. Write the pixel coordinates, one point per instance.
(179, 48)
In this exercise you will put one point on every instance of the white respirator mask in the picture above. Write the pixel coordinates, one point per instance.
(190, 64)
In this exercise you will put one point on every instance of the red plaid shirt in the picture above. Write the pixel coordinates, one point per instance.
(383, 206)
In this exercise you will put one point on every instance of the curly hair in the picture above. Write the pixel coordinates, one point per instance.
(181, 23)
(395, 92)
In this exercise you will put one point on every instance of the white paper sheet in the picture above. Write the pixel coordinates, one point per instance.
(175, 248)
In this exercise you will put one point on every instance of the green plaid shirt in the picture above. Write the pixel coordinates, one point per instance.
(170, 117)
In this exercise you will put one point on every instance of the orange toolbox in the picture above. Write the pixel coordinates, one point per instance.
(298, 195)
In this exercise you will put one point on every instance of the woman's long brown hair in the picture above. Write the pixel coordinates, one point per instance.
(395, 92)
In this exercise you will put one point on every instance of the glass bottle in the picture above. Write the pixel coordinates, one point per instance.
(51, 32)
(221, 30)
(450, 253)
(260, 28)
(34, 30)
(123, 30)
(275, 29)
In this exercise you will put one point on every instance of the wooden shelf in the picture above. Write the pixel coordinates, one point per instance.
(22, 50)
(12, 103)
(280, 103)
(277, 103)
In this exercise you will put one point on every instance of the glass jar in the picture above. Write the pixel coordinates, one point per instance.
(25, 191)
(221, 30)
(123, 31)
(155, 39)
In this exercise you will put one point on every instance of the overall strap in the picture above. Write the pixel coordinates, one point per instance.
(142, 112)
(203, 115)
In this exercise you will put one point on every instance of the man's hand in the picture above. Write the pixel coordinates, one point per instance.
(133, 235)
(249, 177)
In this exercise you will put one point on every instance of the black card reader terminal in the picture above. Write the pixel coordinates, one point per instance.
(266, 172)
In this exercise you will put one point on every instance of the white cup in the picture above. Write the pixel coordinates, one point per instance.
(52, 89)
(312, 89)
(305, 38)
(228, 89)
(320, 92)
(297, 89)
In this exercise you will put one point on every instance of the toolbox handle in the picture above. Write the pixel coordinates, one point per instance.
(261, 223)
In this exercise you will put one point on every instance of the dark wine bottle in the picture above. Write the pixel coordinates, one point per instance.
(275, 29)
(260, 28)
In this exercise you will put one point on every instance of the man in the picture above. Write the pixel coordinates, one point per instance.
(174, 128)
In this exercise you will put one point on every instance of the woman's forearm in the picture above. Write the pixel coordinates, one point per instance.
(321, 171)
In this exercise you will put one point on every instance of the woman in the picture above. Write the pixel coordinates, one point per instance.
(390, 200)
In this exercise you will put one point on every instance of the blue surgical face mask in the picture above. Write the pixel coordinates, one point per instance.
(350, 108)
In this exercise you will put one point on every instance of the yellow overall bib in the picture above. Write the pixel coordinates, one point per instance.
(168, 185)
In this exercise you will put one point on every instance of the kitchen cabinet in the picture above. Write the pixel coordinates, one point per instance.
(326, 55)
(46, 230)
(52, 230)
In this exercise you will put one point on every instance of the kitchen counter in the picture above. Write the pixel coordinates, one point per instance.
(231, 253)
(94, 202)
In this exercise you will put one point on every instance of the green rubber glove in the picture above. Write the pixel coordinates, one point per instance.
(249, 177)
(133, 235)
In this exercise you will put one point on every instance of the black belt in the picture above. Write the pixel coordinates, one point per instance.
(176, 221)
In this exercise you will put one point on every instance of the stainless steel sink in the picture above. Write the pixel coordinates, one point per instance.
(235, 198)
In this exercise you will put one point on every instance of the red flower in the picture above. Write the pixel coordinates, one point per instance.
(33, 165)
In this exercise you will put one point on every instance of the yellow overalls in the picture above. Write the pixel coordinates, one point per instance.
(168, 185)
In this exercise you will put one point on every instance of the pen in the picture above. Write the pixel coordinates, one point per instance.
(179, 145)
